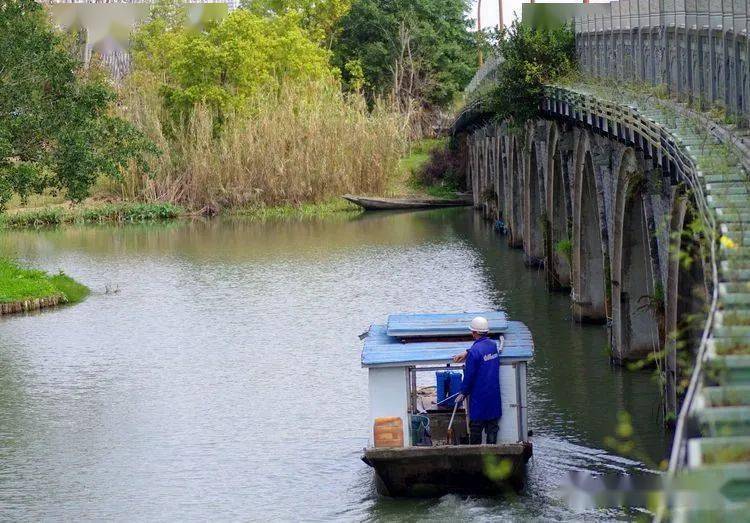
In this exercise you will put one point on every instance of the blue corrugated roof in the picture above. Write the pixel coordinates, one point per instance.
(452, 324)
(383, 350)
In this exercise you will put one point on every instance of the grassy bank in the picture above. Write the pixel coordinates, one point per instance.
(419, 155)
(121, 213)
(90, 213)
(18, 284)
(416, 174)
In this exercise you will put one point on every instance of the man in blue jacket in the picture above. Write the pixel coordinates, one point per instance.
(481, 383)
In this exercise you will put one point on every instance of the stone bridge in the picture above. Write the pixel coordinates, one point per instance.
(631, 191)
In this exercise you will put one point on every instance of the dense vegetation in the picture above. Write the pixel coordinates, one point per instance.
(531, 58)
(57, 130)
(418, 51)
(227, 66)
(298, 145)
(318, 17)
(281, 102)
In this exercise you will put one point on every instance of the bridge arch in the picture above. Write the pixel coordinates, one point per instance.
(492, 173)
(500, 170)
(533, 217)
(516, 203)
(686, 291)
(557, 240)
(637, 295)
(588, 276)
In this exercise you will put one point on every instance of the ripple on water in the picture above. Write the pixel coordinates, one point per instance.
(223, 380)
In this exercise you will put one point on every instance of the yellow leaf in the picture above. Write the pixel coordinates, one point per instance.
(727, 242)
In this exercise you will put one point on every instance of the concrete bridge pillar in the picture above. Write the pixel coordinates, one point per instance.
(516, 200)
(558, 245)
(590, 258)
(638, 289)
(534, 217)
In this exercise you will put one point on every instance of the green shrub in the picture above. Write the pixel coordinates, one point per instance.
(441, 172)
(112, 212)
(565, 249)
(531, 58)
(35, 218)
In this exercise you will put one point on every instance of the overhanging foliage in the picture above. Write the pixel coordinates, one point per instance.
(531, 59)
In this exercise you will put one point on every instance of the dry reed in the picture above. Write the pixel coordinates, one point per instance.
(292, 147)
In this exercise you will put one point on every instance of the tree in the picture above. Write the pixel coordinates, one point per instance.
(56, 128)
(414, 49)
(318, 17)
(230, 62)
(531, 58)
(155, 43)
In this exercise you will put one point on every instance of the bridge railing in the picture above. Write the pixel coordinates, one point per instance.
(486, 73)
(698, 49)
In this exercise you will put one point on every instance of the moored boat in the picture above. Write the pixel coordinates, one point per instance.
(418, 445)
(371, 203)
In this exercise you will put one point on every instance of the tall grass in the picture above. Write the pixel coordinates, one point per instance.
(290, 147)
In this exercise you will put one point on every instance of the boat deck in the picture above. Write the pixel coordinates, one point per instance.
(440, 417)
(500, 449)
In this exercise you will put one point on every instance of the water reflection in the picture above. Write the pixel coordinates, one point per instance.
(223, 380)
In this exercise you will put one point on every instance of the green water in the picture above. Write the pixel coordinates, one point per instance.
(214, 372)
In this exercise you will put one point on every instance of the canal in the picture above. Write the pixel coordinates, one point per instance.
(214, 372)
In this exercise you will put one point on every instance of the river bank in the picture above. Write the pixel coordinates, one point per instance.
(45, 211)
(89, 212)
(23, 289)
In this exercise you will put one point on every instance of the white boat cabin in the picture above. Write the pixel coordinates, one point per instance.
(414, 344)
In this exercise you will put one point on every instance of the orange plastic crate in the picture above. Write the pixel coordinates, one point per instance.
(389, 432)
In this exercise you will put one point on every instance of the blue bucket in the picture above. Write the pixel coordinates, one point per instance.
(448, 384)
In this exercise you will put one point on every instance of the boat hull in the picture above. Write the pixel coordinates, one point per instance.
(392, 204)
(456, 469)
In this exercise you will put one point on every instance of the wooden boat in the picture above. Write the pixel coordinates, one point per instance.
(448, 469)
(413, 466)
(391, 204)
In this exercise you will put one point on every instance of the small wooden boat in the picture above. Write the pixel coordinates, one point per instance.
(447, 469)
(418, 445)
(371, 203)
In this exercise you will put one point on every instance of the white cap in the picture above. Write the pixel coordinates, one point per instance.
(480, 324)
